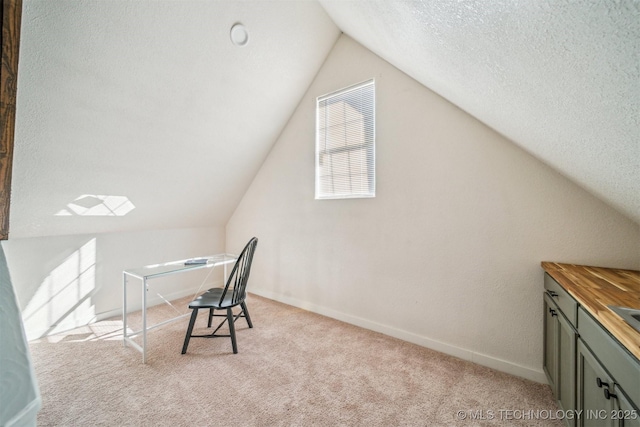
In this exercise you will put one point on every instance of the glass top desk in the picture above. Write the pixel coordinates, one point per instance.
(145, 274)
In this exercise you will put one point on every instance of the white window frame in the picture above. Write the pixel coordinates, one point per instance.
(351, 184)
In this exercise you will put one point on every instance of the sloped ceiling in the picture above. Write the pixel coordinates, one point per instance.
(561, 78)
(142, 114)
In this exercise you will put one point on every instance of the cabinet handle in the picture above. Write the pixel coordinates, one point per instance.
(608, 395)
(552, 294)
(553, 312)
(600, 383)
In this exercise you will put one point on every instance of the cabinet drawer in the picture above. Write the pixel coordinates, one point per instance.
(565, 302)
(623, 367)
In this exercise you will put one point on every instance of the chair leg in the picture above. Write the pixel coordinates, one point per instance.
(192, 322)
(210, 317)
(246, 314)
(232, 330)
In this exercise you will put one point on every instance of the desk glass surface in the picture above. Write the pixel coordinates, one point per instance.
(156, 270)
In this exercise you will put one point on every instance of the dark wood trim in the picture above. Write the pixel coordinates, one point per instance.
(11, 16)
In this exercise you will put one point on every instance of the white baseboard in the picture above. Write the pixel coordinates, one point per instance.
(470, 355)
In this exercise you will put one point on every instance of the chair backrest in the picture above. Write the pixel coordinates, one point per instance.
(237, 282)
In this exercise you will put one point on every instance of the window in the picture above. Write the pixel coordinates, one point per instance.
(345, 143)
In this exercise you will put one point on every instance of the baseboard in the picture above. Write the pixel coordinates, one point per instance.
(470, 355)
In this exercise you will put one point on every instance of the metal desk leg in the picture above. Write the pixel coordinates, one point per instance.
(144, 320)
(124, 309)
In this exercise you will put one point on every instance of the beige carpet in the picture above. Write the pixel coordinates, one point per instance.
(293, 368)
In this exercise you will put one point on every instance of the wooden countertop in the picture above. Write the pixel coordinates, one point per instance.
(597, 287)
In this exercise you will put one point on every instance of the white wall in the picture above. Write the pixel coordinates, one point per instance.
(66, 281)
(448, 253)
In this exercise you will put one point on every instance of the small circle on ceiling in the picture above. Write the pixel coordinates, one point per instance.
(239, 35)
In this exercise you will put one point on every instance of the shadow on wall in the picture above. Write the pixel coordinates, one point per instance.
(62, 301)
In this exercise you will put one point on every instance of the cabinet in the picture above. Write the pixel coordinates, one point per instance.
(560, 343)
(608, 379)
(601, 401)
(550, 342)
(588, 370)
(625, 408)
(592, 381)
(560, 354)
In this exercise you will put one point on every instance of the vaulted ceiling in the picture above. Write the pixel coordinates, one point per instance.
(559, 78)
(143, 114)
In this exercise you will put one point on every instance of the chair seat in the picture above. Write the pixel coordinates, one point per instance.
(211, 299)
(215, 291)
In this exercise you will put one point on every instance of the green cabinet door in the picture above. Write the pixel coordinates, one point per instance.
(592, 380)
(550, 342)
(560, 356)
(566, 365)
(627, 415)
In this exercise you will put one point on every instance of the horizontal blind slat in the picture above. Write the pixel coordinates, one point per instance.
(345, 143)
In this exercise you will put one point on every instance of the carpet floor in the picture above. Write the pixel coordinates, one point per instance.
(294, 368)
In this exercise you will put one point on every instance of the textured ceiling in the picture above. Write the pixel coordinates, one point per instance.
(559, 78)
(142, 114)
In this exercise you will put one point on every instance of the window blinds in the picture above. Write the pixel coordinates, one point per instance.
(345, 143)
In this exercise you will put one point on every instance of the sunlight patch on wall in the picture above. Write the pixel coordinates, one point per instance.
(96, 205)
(62, 300)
